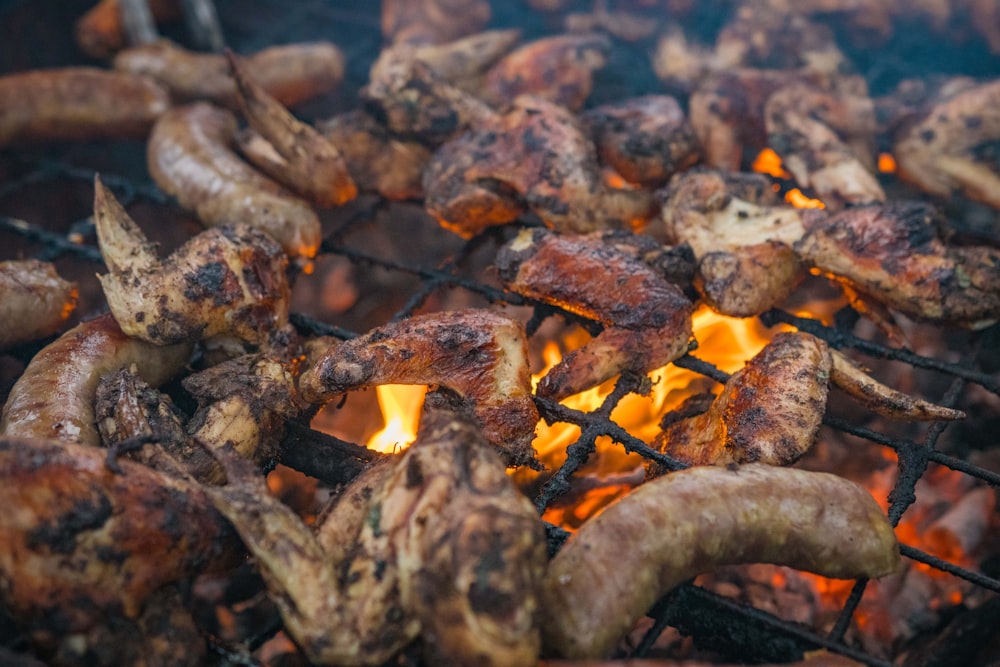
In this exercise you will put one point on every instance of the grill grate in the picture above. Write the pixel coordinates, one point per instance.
(354, 26)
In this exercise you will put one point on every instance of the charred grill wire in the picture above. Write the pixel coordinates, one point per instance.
(312, 452)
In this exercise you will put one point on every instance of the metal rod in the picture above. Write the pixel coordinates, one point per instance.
(203, 24)
(140, 28)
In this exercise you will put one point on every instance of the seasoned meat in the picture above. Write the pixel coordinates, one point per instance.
(34, 301)
(432, 21)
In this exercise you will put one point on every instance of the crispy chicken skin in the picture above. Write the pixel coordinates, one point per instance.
(741, 237)
(645, 139)
(437, 542)
(228, 280)
(190, 155)
(647, 319)
(292, 73)
(432, 21)
(893, 254)
(534, 156)
(817, 157)
(378, 161)
(81, 546)
(77, 103)
(310, 164)
(558, 69)
(771, 410)
(480, 355)
(34, 301)
(688, 522)
(948, 147)
(53, 400)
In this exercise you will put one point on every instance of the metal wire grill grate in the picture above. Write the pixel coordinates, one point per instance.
(60, 170)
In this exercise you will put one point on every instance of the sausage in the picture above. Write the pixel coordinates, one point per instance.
(34, 301)
(688, 522)
(101, 32)
(291, 74)
(77, 103)
(54, 397)
(190, 156)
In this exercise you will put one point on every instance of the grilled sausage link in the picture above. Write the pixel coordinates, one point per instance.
(54, 397)
(77, 103)
(190, 155)
(34, 301)
(692, 521)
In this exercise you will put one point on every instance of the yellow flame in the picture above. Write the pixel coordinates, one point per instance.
(400, 405)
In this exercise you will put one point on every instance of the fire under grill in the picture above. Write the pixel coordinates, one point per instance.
(382, 261)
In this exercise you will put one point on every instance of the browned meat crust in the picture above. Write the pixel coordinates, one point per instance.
(101, 32)
(558, 69)
(229, 280)
(695, 520)
(34, 301)
(893, 254)
(292, 73)
(53, 400)
(480, 355)
(535, 156)
(77, 103)
(432, 21)
(647, 319)
(190, 156)
(645, 139)
(310, 164)
(82, 546)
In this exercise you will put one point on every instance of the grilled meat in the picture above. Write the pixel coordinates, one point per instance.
(228, 281)
(558, 69)
(53, 400)
(309, 163)
(893, 254)
(100, 32)
(432, 21)
(34, 301)
(645, 139)
(647, 320)
(949, 147)
(82, 103)
(674, 527)
(190, 156)
(771, 410)
(535, 157)
(478, 354)
(292, 74)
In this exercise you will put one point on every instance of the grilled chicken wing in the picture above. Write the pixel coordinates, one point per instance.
(645, 139)
(950, 146)
(740, 236)
(441, 544)
(536, 157)
(893, 254)
(376, 160)
(478, 354)
(34, 301)
(559, 69)
(309, 163)
(771, 410)
(814, 153)
(647, 319)
(82, 550)
(228, 280)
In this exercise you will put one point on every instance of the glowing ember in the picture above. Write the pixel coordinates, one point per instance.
(799, 200)
(768, 162)
(886, 163)
(400, 405)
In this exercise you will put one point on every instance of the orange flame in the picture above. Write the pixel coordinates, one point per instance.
(799, 200)
(400, 406)
(768, 162)
(886, 163)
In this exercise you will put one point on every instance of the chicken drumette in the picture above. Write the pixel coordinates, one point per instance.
(647, 320)
(478, 354)
(771, 410)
